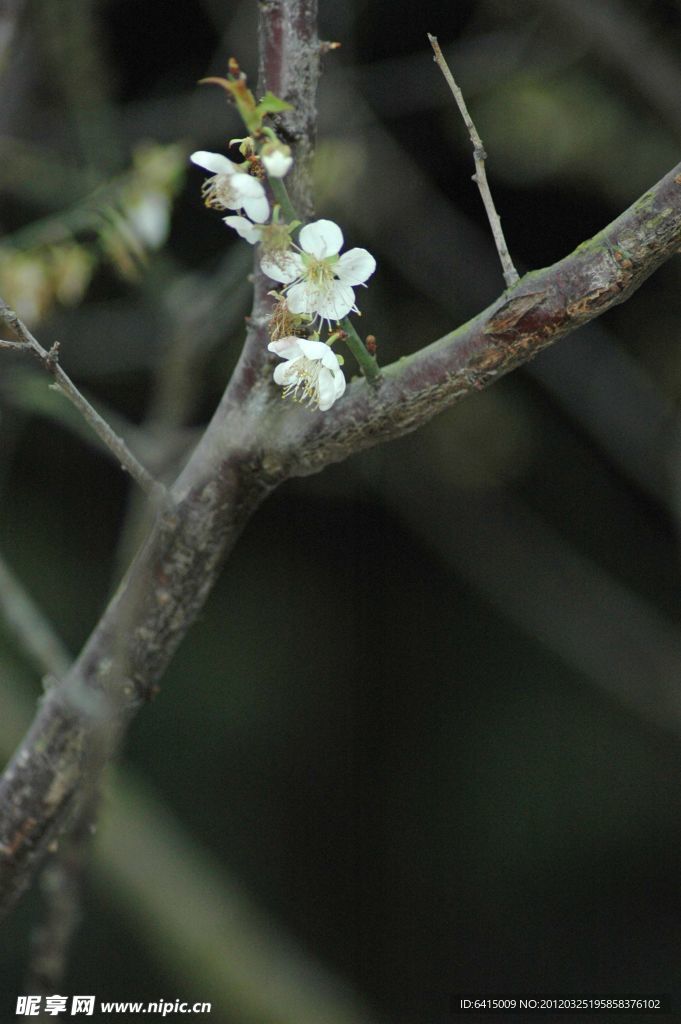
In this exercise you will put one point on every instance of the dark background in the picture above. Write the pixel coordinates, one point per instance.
(429, 720)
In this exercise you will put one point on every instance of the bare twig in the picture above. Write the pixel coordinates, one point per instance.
(480, 176)
(50, 361)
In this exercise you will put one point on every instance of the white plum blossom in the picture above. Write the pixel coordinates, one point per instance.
(277, 159)
(311, 372)
(318, 281)
(232, 187)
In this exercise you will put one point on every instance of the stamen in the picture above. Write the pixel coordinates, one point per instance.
(218, 193)
(304, 389)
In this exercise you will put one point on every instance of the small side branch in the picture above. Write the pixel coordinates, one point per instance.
(480, 176)
(50, 361)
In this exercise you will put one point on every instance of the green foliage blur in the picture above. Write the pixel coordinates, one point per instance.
(429, 724)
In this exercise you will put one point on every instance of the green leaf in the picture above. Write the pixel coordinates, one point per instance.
(271, 104)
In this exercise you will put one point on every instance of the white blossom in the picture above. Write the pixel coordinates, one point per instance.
(277, 159)
(311, 372)
(232, 187)
(318, 281)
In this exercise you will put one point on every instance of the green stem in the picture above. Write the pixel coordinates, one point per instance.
(282, 197)
(367, 363)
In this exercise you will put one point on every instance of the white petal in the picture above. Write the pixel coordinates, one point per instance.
(277, 164)
(286, 373)
(331, 386)
(330, 359)
(285, 267)
(244, 228)
(301, 297)
(336, 303)
(287, 348)
(316, 350)
(321, 238)
(246, 186)
(214, 162)
(355, 266)
(258, 209)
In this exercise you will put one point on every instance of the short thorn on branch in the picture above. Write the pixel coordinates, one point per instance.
(480, 176)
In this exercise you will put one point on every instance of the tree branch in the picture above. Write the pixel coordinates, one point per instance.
(544, 306)
(50, 360)
(254, 442)
(480, 176)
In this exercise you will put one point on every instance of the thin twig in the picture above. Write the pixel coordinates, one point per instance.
(480, 176)
(50, 361)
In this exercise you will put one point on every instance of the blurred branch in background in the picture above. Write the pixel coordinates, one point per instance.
(10, 14)
(625, 39)
(177, 898)
(29, 628)
(536, 579)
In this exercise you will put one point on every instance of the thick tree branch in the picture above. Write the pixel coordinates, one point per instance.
(254, 442)
(544, 306)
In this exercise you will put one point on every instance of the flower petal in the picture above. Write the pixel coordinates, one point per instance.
(287, 348)
(286, 373)
(247, 186)
(322, 238)
(301, 297)
(331, 386)
(278, 163)
(214, 162)
(355, 266)
(257, 208)
(284, 267)
(335, 303)
(244, 228)
(316, 350)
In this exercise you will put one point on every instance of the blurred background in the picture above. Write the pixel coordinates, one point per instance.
(426, 736)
